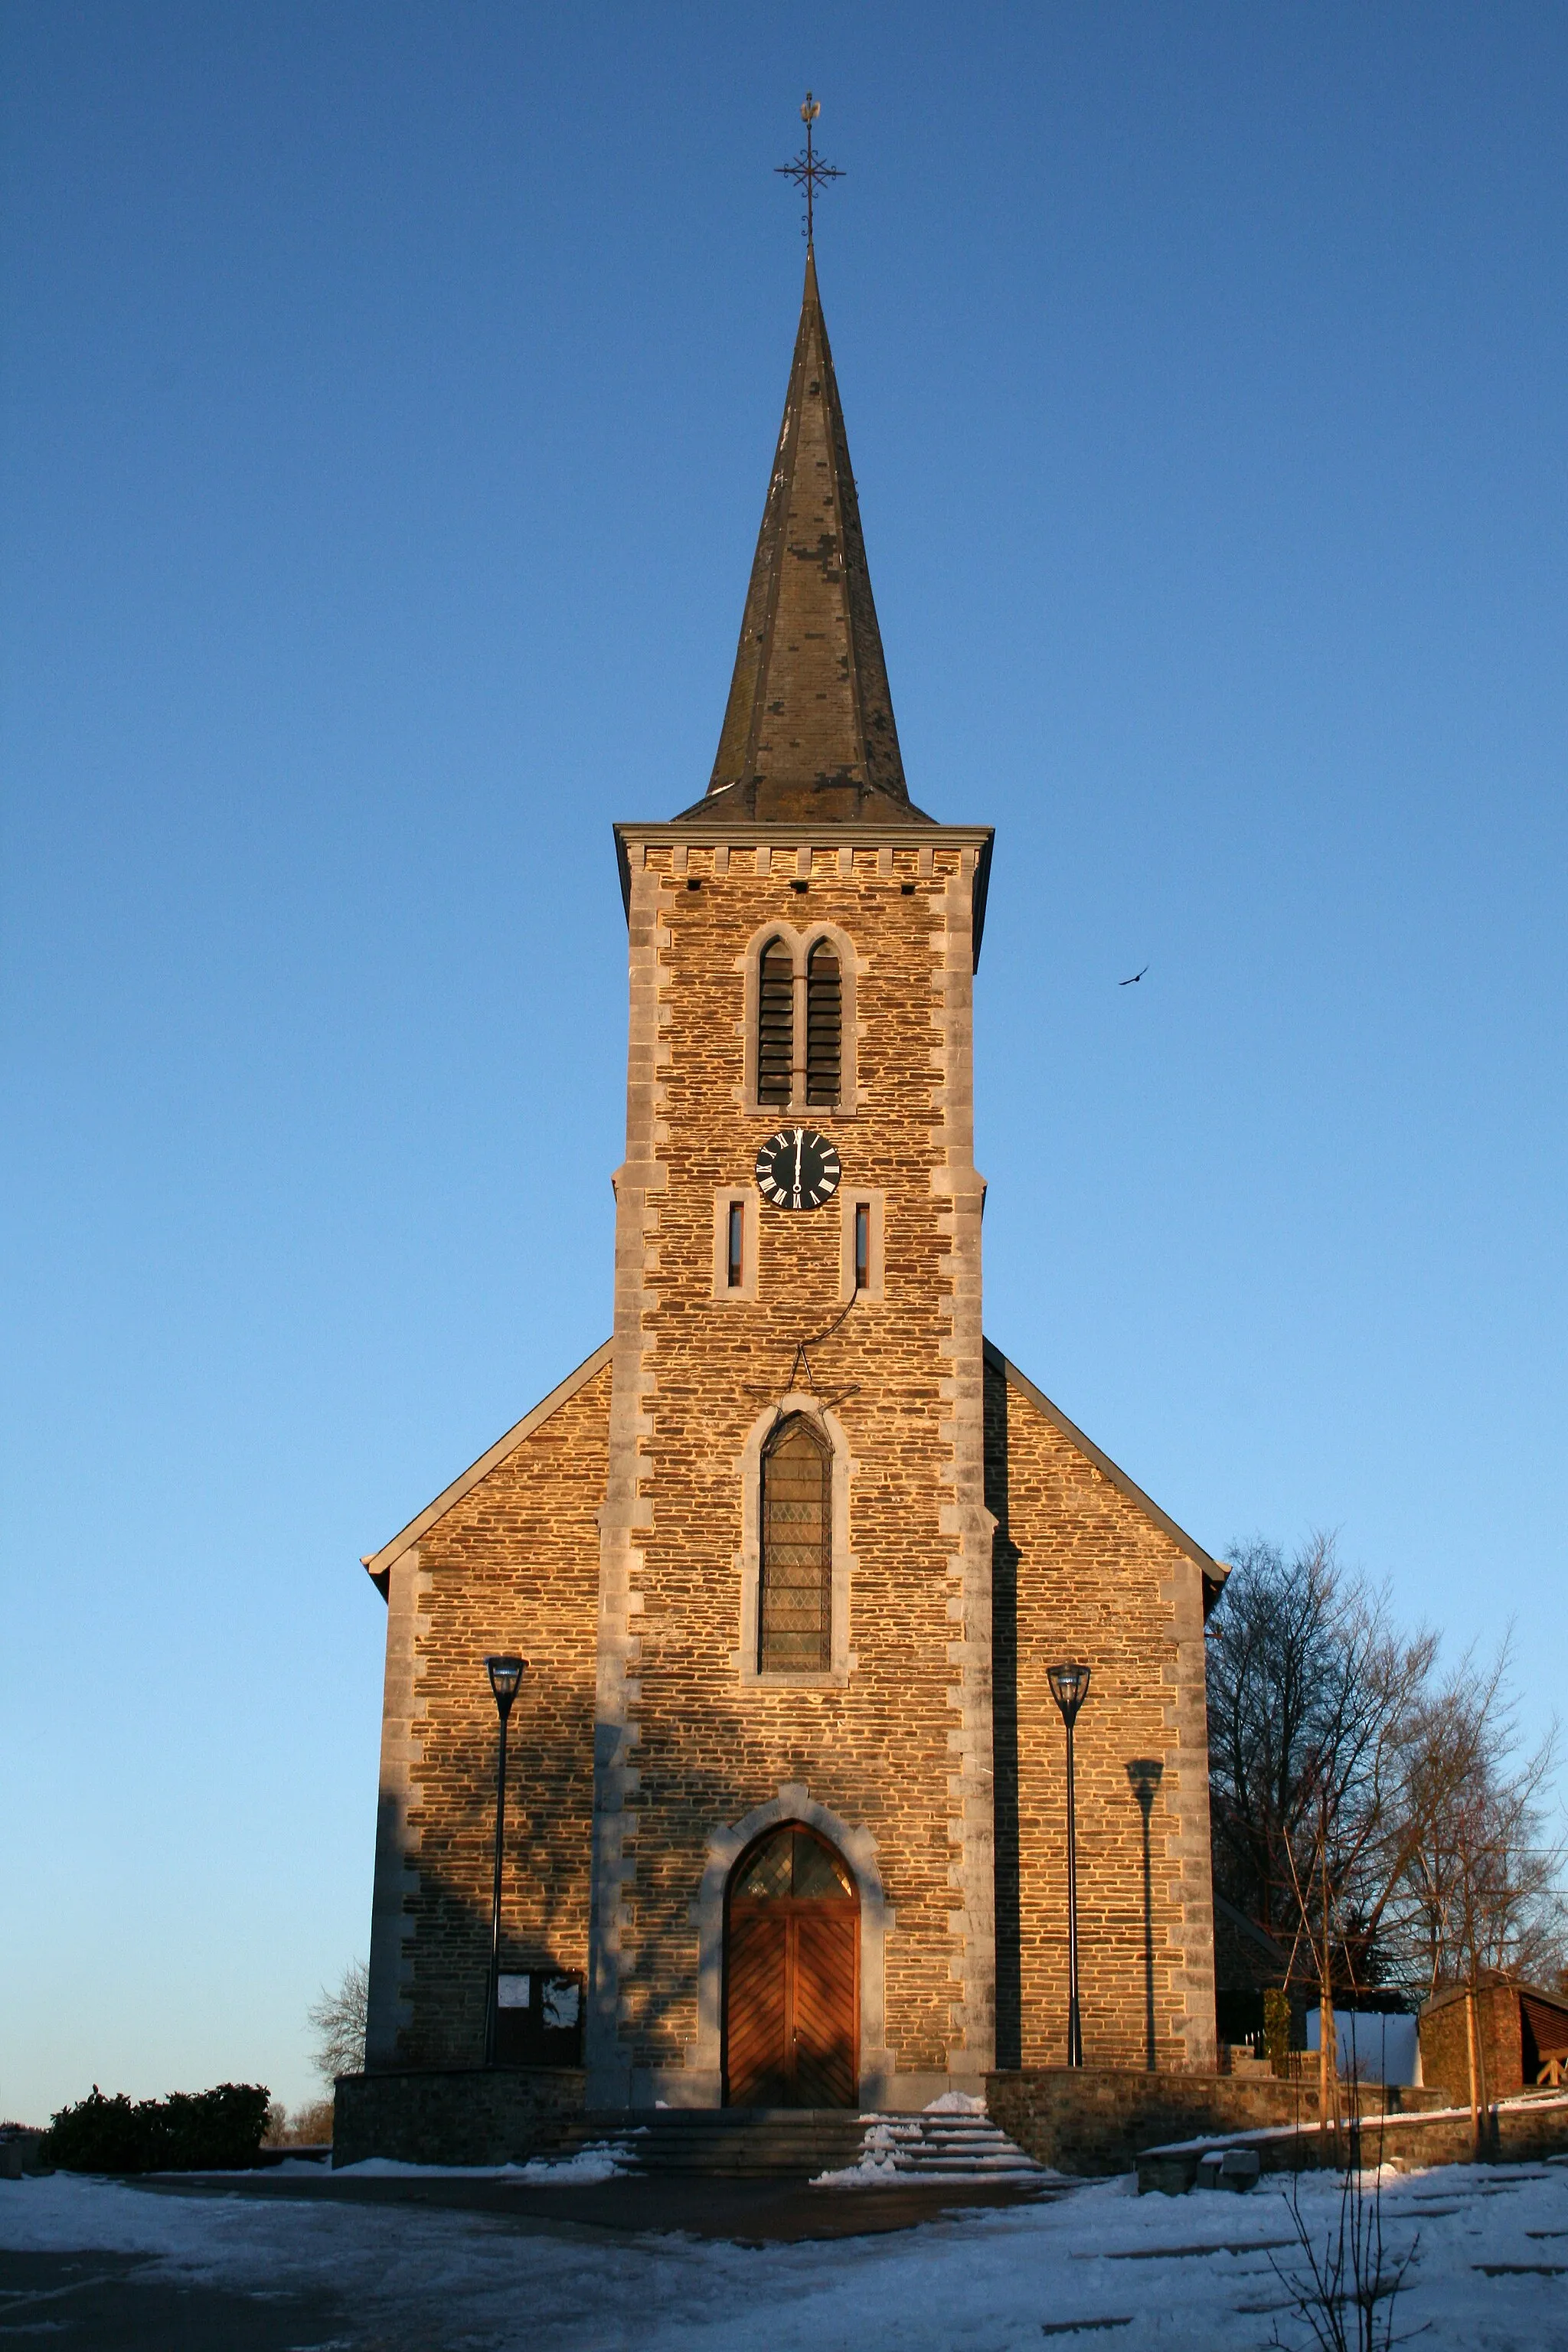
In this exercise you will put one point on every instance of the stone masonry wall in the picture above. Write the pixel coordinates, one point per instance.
(454, 2115)
(610, 1546)
(1083, 1572)
(896, 1744)
(1099, 2119)
(1499, 2045)
(1528, 2132)
(512, 1565)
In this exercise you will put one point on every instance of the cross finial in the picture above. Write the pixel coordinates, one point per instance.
(808, 171)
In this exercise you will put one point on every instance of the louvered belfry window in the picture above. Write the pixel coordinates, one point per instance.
(823, 1021)
(796, 1632)
(775, 1024)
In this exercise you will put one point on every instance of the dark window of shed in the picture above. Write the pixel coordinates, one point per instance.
(796, 1628)
(823, 1021)
(775, 1024)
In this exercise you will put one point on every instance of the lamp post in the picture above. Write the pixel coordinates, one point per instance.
(1146, 1772)
(1069, 1688)
(505, 1674)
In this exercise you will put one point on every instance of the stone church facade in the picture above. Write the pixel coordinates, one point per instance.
(790, 1555)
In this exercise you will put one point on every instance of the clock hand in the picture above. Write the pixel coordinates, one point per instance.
(799, 1153)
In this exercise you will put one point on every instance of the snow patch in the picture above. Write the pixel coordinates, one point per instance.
(603, 2161)
(1489, 2237)
(873, 2171)
(389, 2167)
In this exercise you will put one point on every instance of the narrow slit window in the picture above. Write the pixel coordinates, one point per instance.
(775, 1024)
(862, 1245)
(796, 1628)
(735, 1262)
(824, 1025)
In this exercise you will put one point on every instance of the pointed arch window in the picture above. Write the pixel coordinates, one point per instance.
(775, 1024)
(824, 1025)
(795, 1613)
(800, 989)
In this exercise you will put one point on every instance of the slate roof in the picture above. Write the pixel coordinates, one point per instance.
(808, 728)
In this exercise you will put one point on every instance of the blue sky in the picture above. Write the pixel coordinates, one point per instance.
(388, 398)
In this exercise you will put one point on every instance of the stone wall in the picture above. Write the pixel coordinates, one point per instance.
(512, 1565)
(1529, 2132)
(1085, 1569)
(454, 2115)
(977, 1536)
(1499, 2044)
(894, 1743)
(1096, 2119)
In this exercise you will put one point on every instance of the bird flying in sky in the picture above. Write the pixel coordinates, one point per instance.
(1132, 979)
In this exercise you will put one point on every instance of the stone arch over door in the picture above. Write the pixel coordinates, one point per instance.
(701, 2084)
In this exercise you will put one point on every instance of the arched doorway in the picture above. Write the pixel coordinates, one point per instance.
(792, 1975)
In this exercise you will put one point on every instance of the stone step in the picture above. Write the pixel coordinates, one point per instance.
(737, 2143)
(944, 2147)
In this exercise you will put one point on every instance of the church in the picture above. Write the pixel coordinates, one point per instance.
(791, 1557)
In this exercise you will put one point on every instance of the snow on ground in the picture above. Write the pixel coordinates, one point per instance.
(599, 2162)
(1194, 2273)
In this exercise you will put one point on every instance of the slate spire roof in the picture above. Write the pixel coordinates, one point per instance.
(808, 730)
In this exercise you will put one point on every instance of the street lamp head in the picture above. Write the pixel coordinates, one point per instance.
(505, 1674)
(1069, 1688)
(1145, 1772)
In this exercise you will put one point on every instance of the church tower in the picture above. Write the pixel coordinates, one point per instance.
(796, 1552)
(790, 1556)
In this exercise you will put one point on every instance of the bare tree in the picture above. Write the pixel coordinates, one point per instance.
(1313, 1699)
(1388, 1828)
(338, 2020)
(1483, 1886)
(309, 2126)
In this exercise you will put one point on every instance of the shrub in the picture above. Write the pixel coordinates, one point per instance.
(98, 2135)
(1277, 2029)
(189, 2131)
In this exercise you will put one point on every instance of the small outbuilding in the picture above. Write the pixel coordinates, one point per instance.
(1520, 2039)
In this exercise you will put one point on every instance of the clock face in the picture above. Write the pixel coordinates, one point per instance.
(798, 1169)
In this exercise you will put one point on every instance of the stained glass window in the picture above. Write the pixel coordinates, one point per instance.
(796, 1613)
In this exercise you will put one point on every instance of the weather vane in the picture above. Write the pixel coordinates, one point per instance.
(808, 171)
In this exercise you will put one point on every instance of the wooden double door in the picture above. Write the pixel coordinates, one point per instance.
(792, 1992)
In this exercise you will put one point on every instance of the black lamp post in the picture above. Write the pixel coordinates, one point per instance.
(1069, 1688)
(1146, 1772)
(505, 1674)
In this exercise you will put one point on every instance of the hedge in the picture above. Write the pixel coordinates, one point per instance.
(190, 2131)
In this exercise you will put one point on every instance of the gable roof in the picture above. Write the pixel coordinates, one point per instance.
(1214, 1571)
(380, 1564)
(1493, 1981)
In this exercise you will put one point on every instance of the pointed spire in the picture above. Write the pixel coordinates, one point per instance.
(808, 730)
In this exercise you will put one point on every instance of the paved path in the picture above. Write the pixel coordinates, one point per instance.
(746, 2212)
(459, 2265)
(93, 2302)
(89, 2301)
